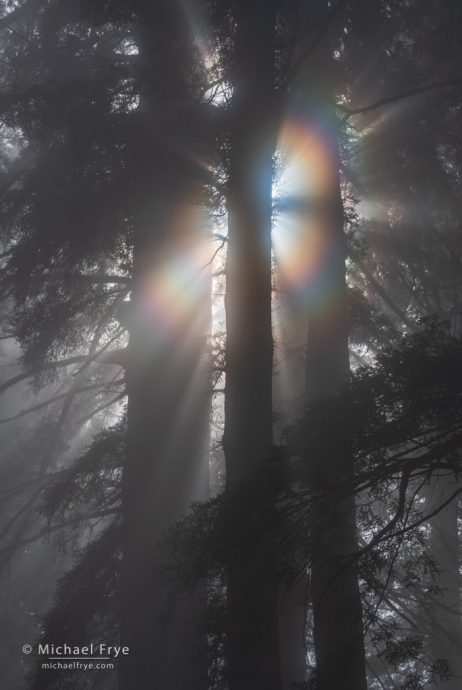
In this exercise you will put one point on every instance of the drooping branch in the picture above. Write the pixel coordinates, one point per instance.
(24, 486)
(103, 406)
(100, 278)
(50, 452)
(425, 518)
(396, 97)
(66, 523)
(47, 366)
(111, 357)
(55, 399)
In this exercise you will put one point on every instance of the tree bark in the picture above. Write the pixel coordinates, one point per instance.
(168, 403)
(252, 595)
(288, 395)
(445, 639)
(166, 469)
(337, 610)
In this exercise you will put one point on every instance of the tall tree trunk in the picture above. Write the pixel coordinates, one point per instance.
(445, 640)
(445, 615)
(337, 611)
(252, 631)
(288, 395)
(167, 462)
(292, 621)
(166, 469)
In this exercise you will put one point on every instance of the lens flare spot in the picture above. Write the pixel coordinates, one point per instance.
(304, 203)
(175, 292)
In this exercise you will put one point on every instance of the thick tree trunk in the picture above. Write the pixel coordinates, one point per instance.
(166, 467)
(288, 395)
(446, 624)
(168, 320)
(292, 621)
(337, 611)
(252, 631)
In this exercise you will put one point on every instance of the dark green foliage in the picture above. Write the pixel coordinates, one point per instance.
(85, 609)
(367, 324)
(92, 483)
(68, 213)
(93, 156)
(412, 394)
(204, 541)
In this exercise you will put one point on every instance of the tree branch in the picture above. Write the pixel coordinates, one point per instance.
(65, 523)
(54, 399)
(111, 357)
(387, 100)
(80, 277)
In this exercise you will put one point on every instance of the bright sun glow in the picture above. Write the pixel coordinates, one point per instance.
(176, 291)
(302, 191)
(305, 182)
